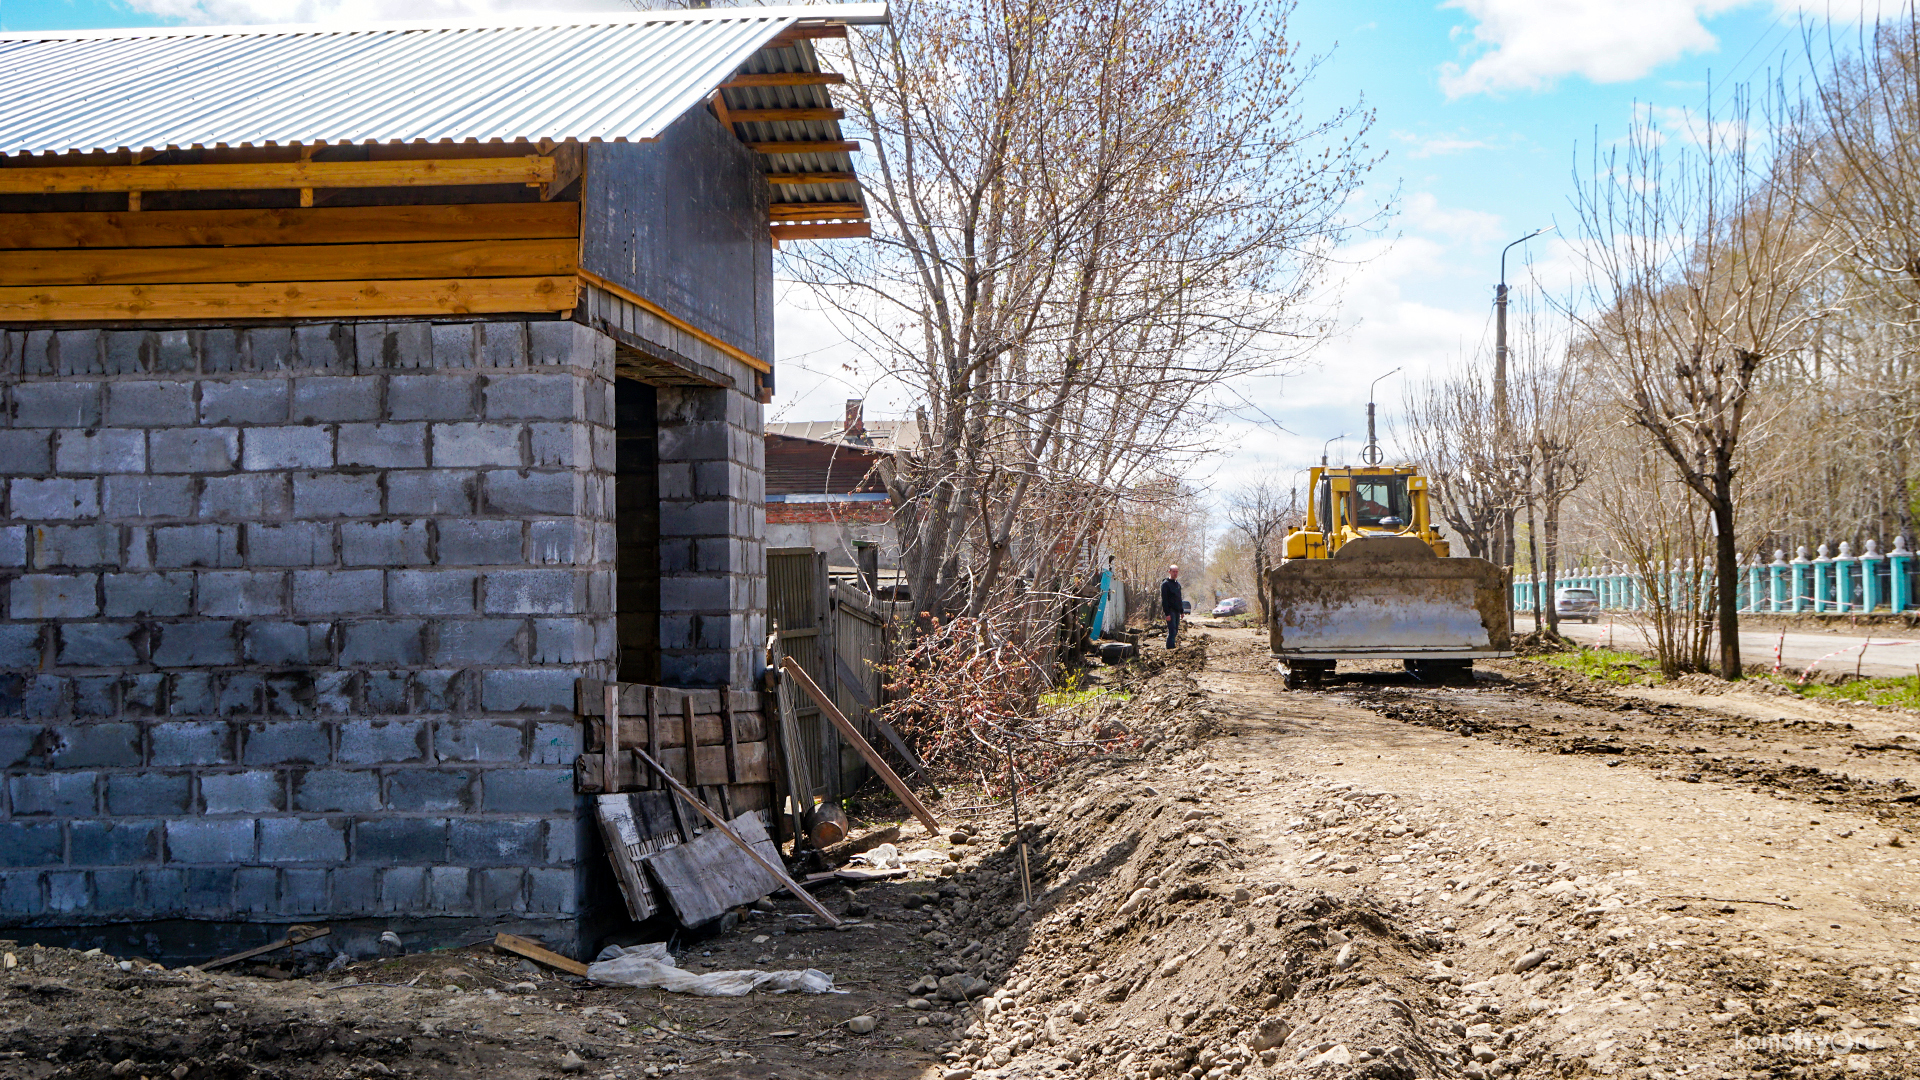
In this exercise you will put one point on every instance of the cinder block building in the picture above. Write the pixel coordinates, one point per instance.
(360, 392)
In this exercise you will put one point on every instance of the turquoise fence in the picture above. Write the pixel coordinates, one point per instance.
(1825, 584)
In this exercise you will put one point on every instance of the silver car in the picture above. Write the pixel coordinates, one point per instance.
(1582, 604)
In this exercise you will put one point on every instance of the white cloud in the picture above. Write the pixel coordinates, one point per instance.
(1426, 146)
(1529, 44)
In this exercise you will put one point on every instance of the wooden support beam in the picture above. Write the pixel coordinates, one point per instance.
(720, 110)
(287, 299)
(811, 177)
(322, 225)
(289, 174)
(310, 262)
(792, 669)
(775, 116)
(786, 78)
(831, 146)
(823, 231)
(805, 32)
(659, 312)
(810, 211)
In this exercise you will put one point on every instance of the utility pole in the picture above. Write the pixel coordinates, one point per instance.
(1503, 433)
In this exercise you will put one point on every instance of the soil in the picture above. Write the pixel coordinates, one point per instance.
(1535, 875)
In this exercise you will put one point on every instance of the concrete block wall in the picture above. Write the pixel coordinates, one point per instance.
(290, 619)
(713, 528)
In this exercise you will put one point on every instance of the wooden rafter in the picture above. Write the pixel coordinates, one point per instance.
(530, 171)
(805, 32)
(811, 178)
(811, 211)
(777, 116)
(786, 78)
(822, 230)
(846, 146)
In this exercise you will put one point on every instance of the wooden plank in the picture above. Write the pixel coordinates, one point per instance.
(627, 844)
(705, 879)
(710, 765)
(720, 110)
(780, 116)
(849, 230)
(815, 210)
(610, 738)
(811, 177)
(807, 146)
(295, 936)
(659, 312)
(772, 865)
(274, 175)
(786, 78)
(286, 299)
(539, 954)
(750, 763)
(321, 225)
(852, 734)
(311, 262)
(749, 726)
(653, 723)
(805, 32)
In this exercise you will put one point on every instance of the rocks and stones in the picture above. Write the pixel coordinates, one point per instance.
(919, 1004)
(1271, 1033)
(571, 1062)
(1135, 902)
(1335, 1055)
(961, 987)
(1531, 959)
(958, 837)
(957, 1074)
(925, 984)
(1345, 958)
(862, 1025)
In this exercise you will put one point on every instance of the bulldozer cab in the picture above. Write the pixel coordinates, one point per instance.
(1351, 503)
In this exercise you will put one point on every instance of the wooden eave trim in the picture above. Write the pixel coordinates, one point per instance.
(530, 171)
(847, 146)
(288, 299)
(675, 321)
(805, 32)
(812, 178)
(778, 116)
(822, 230)
(785, 78)
(816, 210)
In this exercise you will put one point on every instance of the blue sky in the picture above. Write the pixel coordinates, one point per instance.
(1482, 107)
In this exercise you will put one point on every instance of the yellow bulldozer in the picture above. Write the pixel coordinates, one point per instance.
(1369, 577)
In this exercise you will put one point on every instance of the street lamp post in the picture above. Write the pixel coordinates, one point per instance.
(1501, 432)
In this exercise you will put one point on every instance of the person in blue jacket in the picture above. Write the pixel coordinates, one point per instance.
(1172, 603)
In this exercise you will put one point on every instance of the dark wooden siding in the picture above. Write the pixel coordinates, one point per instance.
(683, 223)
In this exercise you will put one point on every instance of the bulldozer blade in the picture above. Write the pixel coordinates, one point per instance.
(1387, 598)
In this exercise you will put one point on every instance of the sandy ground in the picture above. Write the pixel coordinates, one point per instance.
(1896, 652)
(1534, 876)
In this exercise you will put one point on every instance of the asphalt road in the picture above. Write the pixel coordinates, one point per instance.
(1798, 650)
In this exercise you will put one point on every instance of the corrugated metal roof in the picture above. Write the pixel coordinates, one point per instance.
(586, 77)
(882, 434)
(799, 58)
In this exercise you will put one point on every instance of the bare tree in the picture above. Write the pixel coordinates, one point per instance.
(1264, 515)
(1698, 270)
(1449, 428)
(1088, 215)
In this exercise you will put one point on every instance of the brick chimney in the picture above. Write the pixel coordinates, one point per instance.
(856, 427)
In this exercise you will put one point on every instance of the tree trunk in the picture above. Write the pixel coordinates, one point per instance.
(1726, 570)
(1550, 525)
(1541, 584)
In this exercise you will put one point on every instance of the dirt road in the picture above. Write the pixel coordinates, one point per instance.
(1535, 876)
(1894, 653)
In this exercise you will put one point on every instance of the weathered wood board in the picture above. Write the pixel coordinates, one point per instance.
(636, 824)
(706, 877)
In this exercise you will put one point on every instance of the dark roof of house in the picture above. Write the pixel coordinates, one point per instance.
(798, 466)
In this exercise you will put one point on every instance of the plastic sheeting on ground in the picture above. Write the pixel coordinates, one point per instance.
(886, 856)
(651, 965)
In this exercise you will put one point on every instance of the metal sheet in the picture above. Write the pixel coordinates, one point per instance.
(588, 77)
(1389, 598)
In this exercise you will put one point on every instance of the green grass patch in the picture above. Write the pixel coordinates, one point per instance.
(1070, 698)
(1607, 665)
(1897, 692)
